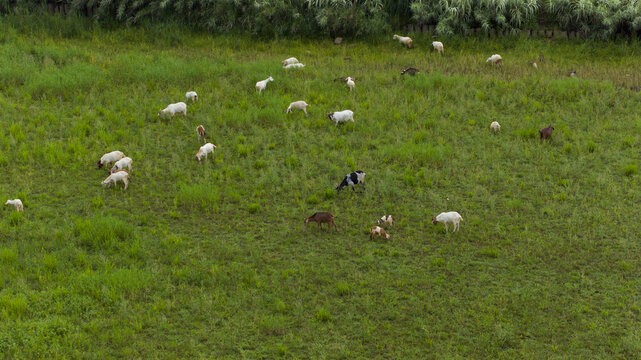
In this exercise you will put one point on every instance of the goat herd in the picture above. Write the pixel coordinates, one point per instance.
(122, 164)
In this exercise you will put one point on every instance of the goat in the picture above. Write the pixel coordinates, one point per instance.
(386, 219)
(448, 217)
(291, 60)
(546, 133)
(438, 46)
(191, 95)
(119, 175)
(121, 164)
(16, 202)
(204, 150)
(341, 116)
(294, 66)
(350, 83)
(494, 126)
(110, 157)
(302, 105)
(357, 177)
(404, 40)
(412, 71)
(344, 79)
(495, 59)
(261, 85)
(172, 109)
(200, 130)
(377, 231)
(322, 218)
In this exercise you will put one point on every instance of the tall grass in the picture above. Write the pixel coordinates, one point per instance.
(212, 259)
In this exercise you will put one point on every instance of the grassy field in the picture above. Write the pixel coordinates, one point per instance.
(212, 260)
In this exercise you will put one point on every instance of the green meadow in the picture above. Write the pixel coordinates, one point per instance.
(212, 260)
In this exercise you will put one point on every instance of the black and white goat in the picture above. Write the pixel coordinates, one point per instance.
(357, 177)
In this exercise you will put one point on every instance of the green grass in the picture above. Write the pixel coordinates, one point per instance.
(212, 259)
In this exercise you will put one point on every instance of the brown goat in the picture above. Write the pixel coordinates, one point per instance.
(201, 132)
(546, 133)
(322, 218)
(376, 231)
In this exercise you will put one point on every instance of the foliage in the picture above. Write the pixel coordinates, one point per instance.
(598, 18)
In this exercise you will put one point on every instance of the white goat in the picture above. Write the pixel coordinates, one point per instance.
(495, 59)
(121, 164)
(110, 157)
(261, 85)
(448, 217)
(291, 60)
(438, 46)
(494, 126)
(119, 175)
(301, 105)
(294, 66)
(350, 83)
(16, 202)
(172, 109)
(204, 150)
(386, 219)
(191, 95)
(404, 40)
(341, 116)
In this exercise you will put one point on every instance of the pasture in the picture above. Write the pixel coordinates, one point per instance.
(212, 259)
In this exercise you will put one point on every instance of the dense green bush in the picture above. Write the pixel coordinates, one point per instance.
(596, 18)
(260, 17)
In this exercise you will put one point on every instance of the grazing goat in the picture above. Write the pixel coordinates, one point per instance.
(546, 133)
(121, 164)
(344, 79)
(377, 231)
(495, 59)
(386, 219)
(16, 202)
(404, 40)
(534, 65)
(294, 66)
(438, 46)
(191, 95)
(412, 71)
(322, 218)
(448, 217)
(261, 85)
(341, 116)
(357, 177)
(350, 83)
(204, 150)
(291, 60)
(301, 105)
(494, 126)
(172, 109)
(113, 178)
(110, 157)
(200, 130)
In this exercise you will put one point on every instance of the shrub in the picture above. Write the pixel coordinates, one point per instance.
(102, 232)
(322, 315)
(630, 169)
